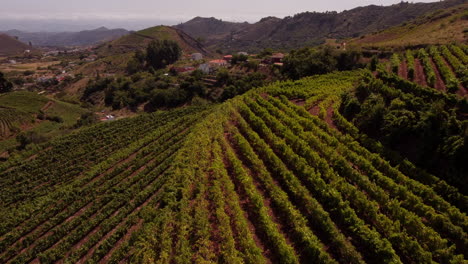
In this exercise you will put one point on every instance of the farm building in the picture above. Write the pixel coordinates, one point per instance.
(228, 58)
(277, 58)
(197, 56)
(218, 63)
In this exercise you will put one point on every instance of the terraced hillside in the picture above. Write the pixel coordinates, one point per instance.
(277, 175)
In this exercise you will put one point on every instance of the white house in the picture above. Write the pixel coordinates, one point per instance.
(197, 56)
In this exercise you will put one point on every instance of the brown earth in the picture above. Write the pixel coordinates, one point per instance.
(439, 84)
(403, 70)
(419, 76)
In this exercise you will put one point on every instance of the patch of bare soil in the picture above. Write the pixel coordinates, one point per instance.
(47, 106)
(419, 76)
(315, 110)
(439, 85)
(329, 117)
(299, 101)
(403, 70)
(134, 228)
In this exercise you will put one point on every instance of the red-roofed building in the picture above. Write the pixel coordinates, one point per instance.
(277, 57)
(228, 58)
(219, 63)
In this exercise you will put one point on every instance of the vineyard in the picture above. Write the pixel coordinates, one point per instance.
(440, 67)
(9, 119)
(278, 175)
(28, 111)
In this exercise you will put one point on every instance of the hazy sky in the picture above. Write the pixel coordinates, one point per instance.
(172, 10)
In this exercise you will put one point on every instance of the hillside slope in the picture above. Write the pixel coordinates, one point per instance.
(313, 28)
(274, 176)
(22, 111)
(114, 55)
(441, 27)
(11, 46)
(141, 39)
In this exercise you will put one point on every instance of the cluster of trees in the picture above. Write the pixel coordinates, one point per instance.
(161, 90)
(426, 129)
(311, 61)
(236, 85)
(157, 55)
(5, 85)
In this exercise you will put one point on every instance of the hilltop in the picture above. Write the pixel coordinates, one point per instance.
(63, 39)
(140, 39)
(11, 46)
(115, 55)
(310, 28)
(440, 27)
(211, 30)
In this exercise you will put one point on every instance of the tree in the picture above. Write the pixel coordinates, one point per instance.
(308, 61)
(159, 54)
(5, 85)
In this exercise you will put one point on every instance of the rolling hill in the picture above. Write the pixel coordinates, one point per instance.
(211, 30)
(116, 54)
(63, 39)
(141, 39)
(310, 28)
(11, 46)
(441, 27)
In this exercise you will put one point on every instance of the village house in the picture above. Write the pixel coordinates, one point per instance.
(197, 56)
(91, 58)
(205, 68)
(182, 69)
(228, 58)
(218, 63)
(277, 58)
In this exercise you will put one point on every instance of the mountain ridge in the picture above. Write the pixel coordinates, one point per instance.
(307, 28)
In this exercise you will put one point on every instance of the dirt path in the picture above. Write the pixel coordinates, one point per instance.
(127, 236)
(315, 110)
(298, 102)
(403, 70)
(439, 84)
(245, 205)
(329, 117)
(47, 106)
(419, 76)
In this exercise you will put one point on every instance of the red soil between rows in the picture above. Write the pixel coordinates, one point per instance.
(419, 76)
(439, 84)
(403, 70)
(244, 202)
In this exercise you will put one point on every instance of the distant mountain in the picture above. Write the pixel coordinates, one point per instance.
(141, 39)
(211, 30)
(11, 46)
(309, 28)
(82, 38)
(441, 27)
